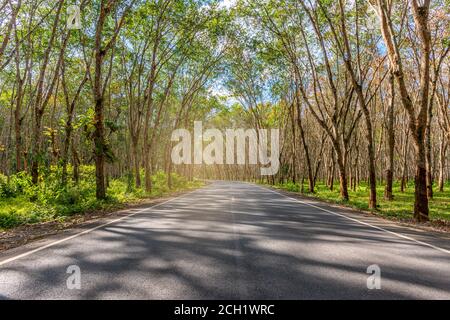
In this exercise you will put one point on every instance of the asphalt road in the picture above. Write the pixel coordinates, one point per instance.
(233, 241)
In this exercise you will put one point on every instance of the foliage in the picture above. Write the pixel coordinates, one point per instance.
(400, 208)
(22, 203)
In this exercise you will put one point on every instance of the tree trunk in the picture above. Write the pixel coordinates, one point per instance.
(36, 149)
(136, 161)
(76, 165)
(307, 155)
(332, 170)
(442, 154)
(343, 182)
(100, 84)
(99, 152)
(421, 210)
(372, 169)
(18, 137)
(65, 157)
(429, 178)
(388, 192)
(417, 123)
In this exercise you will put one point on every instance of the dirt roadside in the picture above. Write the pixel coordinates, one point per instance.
(439, 226)
(22, 235)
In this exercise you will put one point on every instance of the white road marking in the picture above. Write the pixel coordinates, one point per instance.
(239, 255)
(362, 222)
(91, 230)
(171, 200)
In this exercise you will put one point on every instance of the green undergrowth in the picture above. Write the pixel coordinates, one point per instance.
(401, 207)
(22, 203)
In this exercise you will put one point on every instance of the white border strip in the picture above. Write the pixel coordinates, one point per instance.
(361, 222)
(92, 229)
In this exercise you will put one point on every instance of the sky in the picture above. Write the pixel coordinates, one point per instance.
(228, 3)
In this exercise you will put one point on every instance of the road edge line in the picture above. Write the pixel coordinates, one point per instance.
(399, 235)
(82, 233)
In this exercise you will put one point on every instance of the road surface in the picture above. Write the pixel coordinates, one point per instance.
(232, 241)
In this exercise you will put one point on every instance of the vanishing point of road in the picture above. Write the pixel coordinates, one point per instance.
(232, 241)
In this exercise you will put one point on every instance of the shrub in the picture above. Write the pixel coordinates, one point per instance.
(21, 202)
(18, 184)
(178, 182)
(10, 219)
(6, 190)
(292, 187)
(160, 185)
(68, 196)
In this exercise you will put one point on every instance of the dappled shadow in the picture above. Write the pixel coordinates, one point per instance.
(231, 241)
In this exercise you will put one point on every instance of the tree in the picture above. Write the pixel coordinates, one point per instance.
(417, 119)
(100, 51)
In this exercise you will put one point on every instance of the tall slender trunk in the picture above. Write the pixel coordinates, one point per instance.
(37, 129)
(70, 108)
(421, 209)
(100, 84)
(18, 138)
(147, 139)
(437, 67)
(388, 192)
(429, 175)
(332, 170)
(405, 163)
(148, 167)
(136, 161)
(65, 157)
(76, 165)
(305, 148)
(42, 98)
(372, 168)
(294, 147)
(442, 153)
(417, 122)
(99, 150)
(357, 83)
(343, 181)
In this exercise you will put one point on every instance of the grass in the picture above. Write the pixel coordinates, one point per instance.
(401, 207)
(21, 203)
